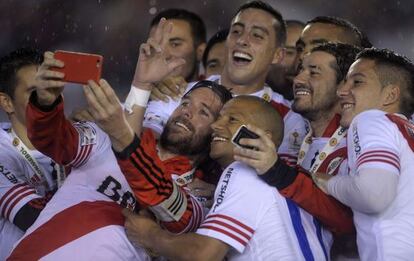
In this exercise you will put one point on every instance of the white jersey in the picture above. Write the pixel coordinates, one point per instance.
(375, 142)
(258, 223)
(19, 184)
(82, 221)
(158, 112)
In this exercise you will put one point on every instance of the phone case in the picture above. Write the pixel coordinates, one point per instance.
(80, 67)
(243, 132)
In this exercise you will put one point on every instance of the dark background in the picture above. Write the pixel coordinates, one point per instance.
(115, 28)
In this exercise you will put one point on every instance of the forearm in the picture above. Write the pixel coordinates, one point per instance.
(297, 185)
(189, 246)
(369, 191)
(50, 132)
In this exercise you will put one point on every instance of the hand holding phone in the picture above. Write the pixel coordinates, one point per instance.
(243, 133)
(79, 67)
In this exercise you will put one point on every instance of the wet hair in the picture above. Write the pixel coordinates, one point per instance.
(280, 28)
(362, 38)
(198, 28)
(344, 55)
(265, 116)
(218, 37)
(12, 63)
(393, 68)
(222, 92)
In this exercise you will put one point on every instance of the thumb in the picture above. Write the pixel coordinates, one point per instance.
(175, 63)
(127, 213)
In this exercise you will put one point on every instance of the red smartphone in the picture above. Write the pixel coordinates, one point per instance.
(79, 67)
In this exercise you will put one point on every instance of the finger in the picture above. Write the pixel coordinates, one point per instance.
(248, 153)
(174, 63)
(100, 95)
(159, 95)
(256, 143)
(46, 84)
(158, 35)
(50, 61)
(94, 107)
(154, 45)
(166, 88)
(199, 192)
(127, 213)
(145, 49)
(182, 83)
(173, 86)
(109, 92)
(248, 161)
(49, 74)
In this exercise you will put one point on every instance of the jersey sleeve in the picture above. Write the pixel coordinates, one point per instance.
(14, 192)
(151, 182)
(55, 136)
(238, 208)
(372, 142)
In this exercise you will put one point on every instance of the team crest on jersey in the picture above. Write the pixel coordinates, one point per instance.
(16, 142)
(333, 165)
(87, 134)
(295, 141)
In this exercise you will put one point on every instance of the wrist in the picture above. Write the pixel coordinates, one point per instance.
(142, 85)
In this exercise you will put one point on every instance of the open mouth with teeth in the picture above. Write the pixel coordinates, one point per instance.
(302, 92)
(241, 58)
(347, 106)
(217, 138)
(182, 125)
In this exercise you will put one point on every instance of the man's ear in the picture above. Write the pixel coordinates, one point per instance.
(6, 103)
(392, 94)
(279, 55)
(200, 50)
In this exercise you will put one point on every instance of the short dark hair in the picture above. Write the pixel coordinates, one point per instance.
(12, 63)
(198, 28)
(344, 55)
(393, 68)
(222, 92)
(295, 22)
(218, 37)
(279, 29)
(361, 37)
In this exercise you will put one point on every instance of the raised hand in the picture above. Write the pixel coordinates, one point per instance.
(264, 154)
(49, 84)
(154, 63)
(106, 110)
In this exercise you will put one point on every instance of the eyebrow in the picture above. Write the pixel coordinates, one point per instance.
(175, 39)
(212, 61)
(358, 74)
(261, 28)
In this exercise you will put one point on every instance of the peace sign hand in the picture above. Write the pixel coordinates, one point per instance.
(154, 63)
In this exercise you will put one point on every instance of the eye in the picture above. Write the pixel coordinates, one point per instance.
(185, 103)
(175, 44)
(258, 36)
(212, 64)
(232, 119)
(235, 31)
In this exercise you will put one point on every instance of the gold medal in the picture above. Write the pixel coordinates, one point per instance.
(16, 142)
(333, 142)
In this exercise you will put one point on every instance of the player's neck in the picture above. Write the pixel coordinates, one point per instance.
(21, 132)
(320, 124)
(240, 89)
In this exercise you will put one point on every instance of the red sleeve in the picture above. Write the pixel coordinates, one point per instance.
(50, 132)
(151, 182)
(335, 216)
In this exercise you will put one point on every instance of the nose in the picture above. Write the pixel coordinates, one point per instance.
(217, 125)
(243, 40)
(344, 89)
(300, 78)
(187, 111)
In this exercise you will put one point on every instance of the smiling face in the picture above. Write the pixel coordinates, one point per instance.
(361, 91)
(314, 88)
(188, 129)
(251, 45)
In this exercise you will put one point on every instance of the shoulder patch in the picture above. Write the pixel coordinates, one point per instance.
(87, 134)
